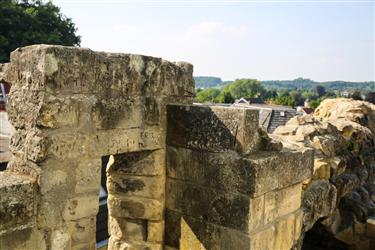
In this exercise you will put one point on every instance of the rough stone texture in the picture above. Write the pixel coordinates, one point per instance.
(180, 176)
(341, 192)
(212, 128)
(71, 106)
(224, 192)
(17, 203)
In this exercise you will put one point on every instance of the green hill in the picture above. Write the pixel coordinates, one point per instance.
(299, 83)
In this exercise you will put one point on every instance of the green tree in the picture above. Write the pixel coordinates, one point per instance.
(25, 22)
(315, 103)
(247, 88)
(370, 97)
(208, 95)
(298, 100)
(356, 95)
(320, 90)
(225, 97)
(284, 98)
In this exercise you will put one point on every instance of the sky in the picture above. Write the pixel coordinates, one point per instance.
(322, 40)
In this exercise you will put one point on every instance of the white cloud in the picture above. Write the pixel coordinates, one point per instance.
(212, 28)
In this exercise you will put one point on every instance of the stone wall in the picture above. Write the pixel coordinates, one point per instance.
(71, 106)
(228, 185)
(179, 176)
(340, 195)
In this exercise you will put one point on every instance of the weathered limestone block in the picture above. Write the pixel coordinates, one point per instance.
(135, 208)
(17, 202)
(81, 207)
(155, 231)
(257, 213)
(29, 238)
(215, 206)
(31, 144)
(60, 240)
(140, 186)
(274, 171)
(322, 169)
(186, 232)
(314, 208)
(24, 167)
(70, 70)
(211, 128)
(81, 230)
(226, 170)
(106, 142)
(136, 232)
(128, 229)
(254, 175)
(87, 175)
(142, 163)
(282, 202)
(356, 111)
(264, 239)
(284, 232)
(77, 106)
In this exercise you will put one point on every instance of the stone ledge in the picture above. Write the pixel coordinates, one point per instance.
(212, 129)
(276, 171)
(17, 202)
(252, 175)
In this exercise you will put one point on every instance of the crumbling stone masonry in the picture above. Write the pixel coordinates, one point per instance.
(180, 176)
(70, 107)
(229, 186)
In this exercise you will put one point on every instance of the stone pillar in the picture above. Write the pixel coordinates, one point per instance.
(229, 186)
(71, 106)
(136, 183)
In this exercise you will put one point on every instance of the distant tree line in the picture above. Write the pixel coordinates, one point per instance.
(251, 88)
(296, 84)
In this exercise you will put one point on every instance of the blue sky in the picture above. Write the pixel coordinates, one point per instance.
(320, 40)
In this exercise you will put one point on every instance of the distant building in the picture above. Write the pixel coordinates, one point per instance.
(304, 111)
(270, 116)
(345, 93)
(254, 100)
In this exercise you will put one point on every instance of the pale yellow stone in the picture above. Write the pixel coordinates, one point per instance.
(60, 240)
(282, 202)
(87, 174)
(82, 230)
(256, 213)
(23, 240)
(81, 207)
(298, 224)
(135, 208)
(189, 240)
(155, 231)
(127, 229)
(284, 233)
(263, 240)
(52, 179)
(140, 186)
(321, 169)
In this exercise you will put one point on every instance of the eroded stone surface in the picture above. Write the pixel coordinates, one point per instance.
(17, 202)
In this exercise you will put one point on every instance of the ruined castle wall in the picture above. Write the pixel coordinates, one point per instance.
(340, 195)
(228, 185)
(180, 176)
(70, 107)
